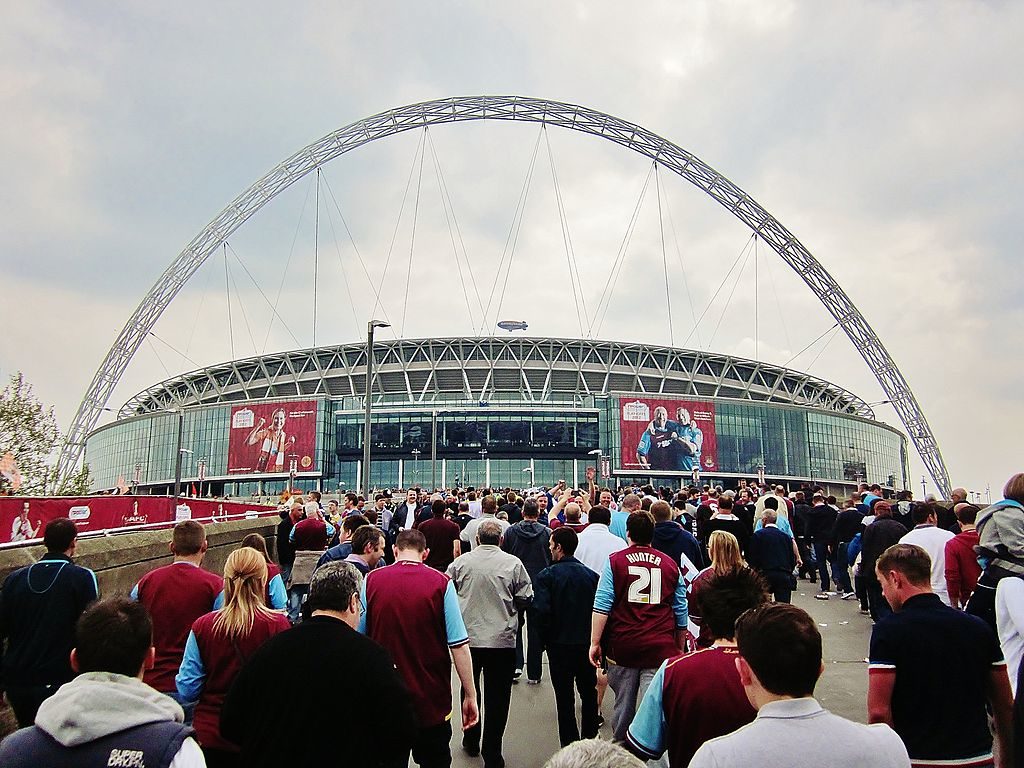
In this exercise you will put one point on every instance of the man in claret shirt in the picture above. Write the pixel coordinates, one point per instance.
(413, 611)
(639, 618)
(175, 596)
(698, 696)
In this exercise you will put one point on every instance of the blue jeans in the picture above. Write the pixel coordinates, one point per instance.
(534, 651)
(841, 578)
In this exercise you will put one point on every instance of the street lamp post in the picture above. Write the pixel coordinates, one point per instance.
(370, 326)
(596, 453)
(530, 470)
(201, 475)
(416, 464)
(483, 458)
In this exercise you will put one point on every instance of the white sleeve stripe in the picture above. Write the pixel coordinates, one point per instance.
(880, 665)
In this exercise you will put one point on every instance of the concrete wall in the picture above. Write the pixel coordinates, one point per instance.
(120, 561)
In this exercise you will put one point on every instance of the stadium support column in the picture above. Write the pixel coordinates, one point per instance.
(177, 456)
(370, 326)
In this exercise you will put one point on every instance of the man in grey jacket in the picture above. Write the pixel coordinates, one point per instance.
(107, 715)
(528, 540)
(493, 587)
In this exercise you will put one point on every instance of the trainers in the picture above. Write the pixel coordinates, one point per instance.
(600, 721)
(849, 595)
(532, 682)
(865, 612)
(821, 596)
(516, 675)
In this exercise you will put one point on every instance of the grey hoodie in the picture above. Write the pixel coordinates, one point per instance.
(97, 704)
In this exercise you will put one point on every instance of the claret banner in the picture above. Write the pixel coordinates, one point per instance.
(265, 437)
(667, 435)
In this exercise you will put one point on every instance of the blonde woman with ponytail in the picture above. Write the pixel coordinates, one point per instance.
(726, 557)
(220, 643)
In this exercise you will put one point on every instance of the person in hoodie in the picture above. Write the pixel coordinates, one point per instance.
(675, 541)
(107, 715)
(528, 540)
(1000, 547)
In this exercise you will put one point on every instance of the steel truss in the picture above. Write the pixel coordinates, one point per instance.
(482, 369)
(465, 108)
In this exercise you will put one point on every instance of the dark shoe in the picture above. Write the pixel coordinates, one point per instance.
(821, 596)
(600, 721)
(473, 750)
(532, 682)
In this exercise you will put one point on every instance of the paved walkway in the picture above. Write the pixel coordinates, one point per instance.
(532, 733)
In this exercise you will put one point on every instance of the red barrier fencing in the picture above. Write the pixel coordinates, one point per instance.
(23, 518)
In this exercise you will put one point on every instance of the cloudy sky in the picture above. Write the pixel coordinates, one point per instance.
(885, 135)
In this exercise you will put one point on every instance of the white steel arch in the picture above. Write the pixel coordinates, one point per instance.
(463, 108)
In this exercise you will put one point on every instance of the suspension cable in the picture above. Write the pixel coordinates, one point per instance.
(173, 349)
(159, 359)
(835, 332)
(394, 235)
(344, 274)
(570, 256)
(227, 293)
(316, 251)
(198, 313)
(284, 275)
(728, 302)
(412, 239)
(682, 267)
(816, 340)
(446, 197)
(664, 257)
(241, 306)
(513, 233)
(778, 302)
(620, 258)
(355, 247)
(715, 296)
(757, 288)
(273, 309)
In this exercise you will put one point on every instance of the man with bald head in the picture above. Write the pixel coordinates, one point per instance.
(573, 518)
(493, 587)
(631, 503)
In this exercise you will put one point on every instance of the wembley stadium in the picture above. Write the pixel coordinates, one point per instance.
(492, 412)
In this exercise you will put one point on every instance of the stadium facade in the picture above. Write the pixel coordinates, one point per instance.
(494, 411)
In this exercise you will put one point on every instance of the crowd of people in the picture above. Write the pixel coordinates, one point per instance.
(678, 600)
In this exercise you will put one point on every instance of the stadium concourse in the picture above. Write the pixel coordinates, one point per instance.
(531, 737)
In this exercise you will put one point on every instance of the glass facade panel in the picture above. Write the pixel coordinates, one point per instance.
(793, 443)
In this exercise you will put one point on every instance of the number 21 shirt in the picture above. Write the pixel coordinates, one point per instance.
(645, 600)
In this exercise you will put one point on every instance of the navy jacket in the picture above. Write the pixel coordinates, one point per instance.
(674, 540)
(770, 549)
(563, 602)
(40, 605)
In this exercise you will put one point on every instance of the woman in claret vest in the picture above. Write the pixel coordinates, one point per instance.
(277, 595)
(219, 645)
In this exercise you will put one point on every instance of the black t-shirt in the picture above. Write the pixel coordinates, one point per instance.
(942, 659)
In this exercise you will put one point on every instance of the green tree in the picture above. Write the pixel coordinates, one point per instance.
(29, 431)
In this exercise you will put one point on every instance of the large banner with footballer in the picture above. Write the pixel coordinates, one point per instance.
(667, 435)
(265, 437)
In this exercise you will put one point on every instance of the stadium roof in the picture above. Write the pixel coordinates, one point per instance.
(423, 371)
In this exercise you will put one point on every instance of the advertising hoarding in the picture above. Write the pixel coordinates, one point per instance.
(265, 437)
(23, 518)
(667, 435)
